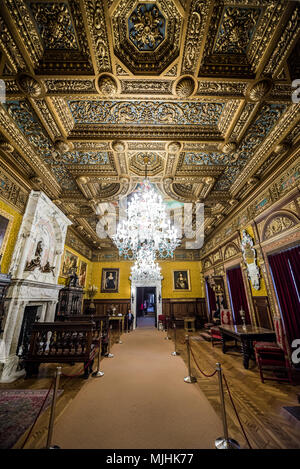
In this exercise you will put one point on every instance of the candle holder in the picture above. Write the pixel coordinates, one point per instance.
(243, 317)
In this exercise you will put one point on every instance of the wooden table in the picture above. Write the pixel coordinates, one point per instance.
(246, 335)
(120, 319)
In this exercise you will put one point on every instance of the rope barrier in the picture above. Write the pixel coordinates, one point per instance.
(202, 372)
(38, 414)
(229, 394)
(236, 413)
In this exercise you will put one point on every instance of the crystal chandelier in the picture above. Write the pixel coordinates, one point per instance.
(147, 228)
(145, 267)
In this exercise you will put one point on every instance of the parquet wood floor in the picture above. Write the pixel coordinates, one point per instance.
(259, 405)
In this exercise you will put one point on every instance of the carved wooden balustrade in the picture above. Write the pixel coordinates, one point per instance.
(61, 342)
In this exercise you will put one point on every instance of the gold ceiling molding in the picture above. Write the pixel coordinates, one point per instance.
(204, 93)
(30, 86)
(260, 90)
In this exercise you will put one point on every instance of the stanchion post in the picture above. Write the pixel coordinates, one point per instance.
(98, 373)
(108, 354)
(175, 352)
(52, 412)
(167, 336)
(189, 378)
(120, 327)
(224, 442)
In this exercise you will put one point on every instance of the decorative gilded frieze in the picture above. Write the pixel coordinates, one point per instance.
(12, 192)
(283, 46)
(289, 118)
(64, 113)
(26, 28)
(277, 225)
(145, 112)
(75, 242)
(210, 88)
(195, 32)
(151, 87)
(69, 86)
(10, 48)
(97, 28)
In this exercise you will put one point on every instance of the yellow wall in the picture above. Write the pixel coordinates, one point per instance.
(124, 282)
(196, 284)
(62, 280)
(13, 227)
(167, 267)
(262, 291)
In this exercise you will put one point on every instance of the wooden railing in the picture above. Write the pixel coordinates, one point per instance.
(60, 342)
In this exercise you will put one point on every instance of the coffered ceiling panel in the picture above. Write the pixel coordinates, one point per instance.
(199, 90)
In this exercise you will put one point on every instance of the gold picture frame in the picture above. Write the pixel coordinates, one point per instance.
(181, 280)
(82, 273)
(110, 281)
(69, 264)
(6, 221)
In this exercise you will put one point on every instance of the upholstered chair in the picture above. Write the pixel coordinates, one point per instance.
(274, 356)
(226, 319)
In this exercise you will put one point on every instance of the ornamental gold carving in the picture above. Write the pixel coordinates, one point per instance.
(260, 90)
(185, 87)
(107, 85)
(277, 225)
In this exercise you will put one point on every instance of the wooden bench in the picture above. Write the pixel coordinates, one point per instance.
(60, 342)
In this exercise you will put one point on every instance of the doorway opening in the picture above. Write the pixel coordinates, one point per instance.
(146, 306)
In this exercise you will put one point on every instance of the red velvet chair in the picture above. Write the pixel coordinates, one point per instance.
(226, 318)
(274, 356)
(164, 320)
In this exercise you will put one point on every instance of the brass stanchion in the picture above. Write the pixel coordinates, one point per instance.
(189, 378)
(167, 336)
(120, 331)
(98, 373)
(175, 352)
(52, 414)
(224, 442)
(108, 354)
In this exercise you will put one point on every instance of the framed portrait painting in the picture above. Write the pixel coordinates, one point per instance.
(69, 265)
(110, 281)
(181, 280)
(82, 273)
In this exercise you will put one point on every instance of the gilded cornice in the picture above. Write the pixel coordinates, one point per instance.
(287, 121)
(26, 29)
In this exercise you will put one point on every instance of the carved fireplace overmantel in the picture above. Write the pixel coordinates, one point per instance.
(34, 271)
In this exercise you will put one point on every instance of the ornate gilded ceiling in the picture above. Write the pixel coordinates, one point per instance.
(202, 88)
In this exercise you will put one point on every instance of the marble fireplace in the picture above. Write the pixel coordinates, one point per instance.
(34, 271)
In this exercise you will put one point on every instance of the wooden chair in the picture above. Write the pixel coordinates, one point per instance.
(226, 318)
(274, 356)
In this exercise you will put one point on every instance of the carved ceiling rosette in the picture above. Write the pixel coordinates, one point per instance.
(119, 146)
(107, 85)
(62, 146)
(173, 147)
(185, 86)
(260, 90)
(30, 85)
